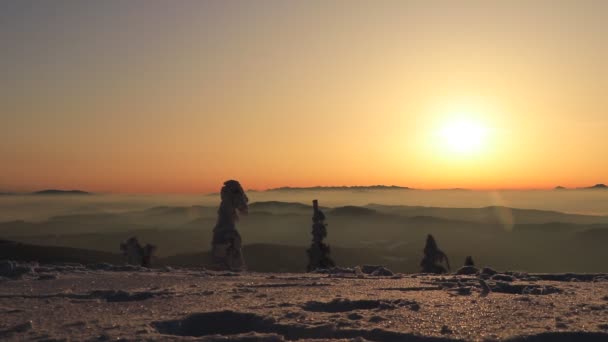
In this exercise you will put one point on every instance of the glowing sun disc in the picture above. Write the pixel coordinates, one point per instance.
(463, 136)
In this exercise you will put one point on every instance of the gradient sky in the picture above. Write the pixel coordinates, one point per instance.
(177, 96)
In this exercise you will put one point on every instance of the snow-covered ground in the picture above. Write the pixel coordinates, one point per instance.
(104, 302)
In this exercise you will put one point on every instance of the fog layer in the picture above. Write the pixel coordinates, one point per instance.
(36, 208)
(540, 231)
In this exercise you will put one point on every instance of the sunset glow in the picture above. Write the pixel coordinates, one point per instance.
(113, 96)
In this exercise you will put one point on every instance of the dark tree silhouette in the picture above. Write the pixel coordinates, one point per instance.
(318, 253)
(433, 258)
(226, 243)
(137, 254)
(469, 261)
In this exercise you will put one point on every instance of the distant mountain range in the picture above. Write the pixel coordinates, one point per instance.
(60, 192)
(395, 187)
(333, 188)
(599, 186)
(47, 192)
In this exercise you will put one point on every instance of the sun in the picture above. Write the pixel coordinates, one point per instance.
(463, 136)
(463, 131)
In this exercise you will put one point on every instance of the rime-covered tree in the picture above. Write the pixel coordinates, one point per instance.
(318, 253)
(226, 243)
(433, 258)
(137, 254)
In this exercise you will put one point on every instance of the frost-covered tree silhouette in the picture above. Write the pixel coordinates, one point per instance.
(433, 258)
(226, 243)
(318, 253)
(469, 261)
(137, 254)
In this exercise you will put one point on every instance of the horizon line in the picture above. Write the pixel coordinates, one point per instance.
(304, 188)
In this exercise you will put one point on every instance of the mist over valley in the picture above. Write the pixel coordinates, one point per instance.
(540, 231)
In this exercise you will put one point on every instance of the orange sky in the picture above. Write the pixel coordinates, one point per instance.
(157, 97)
